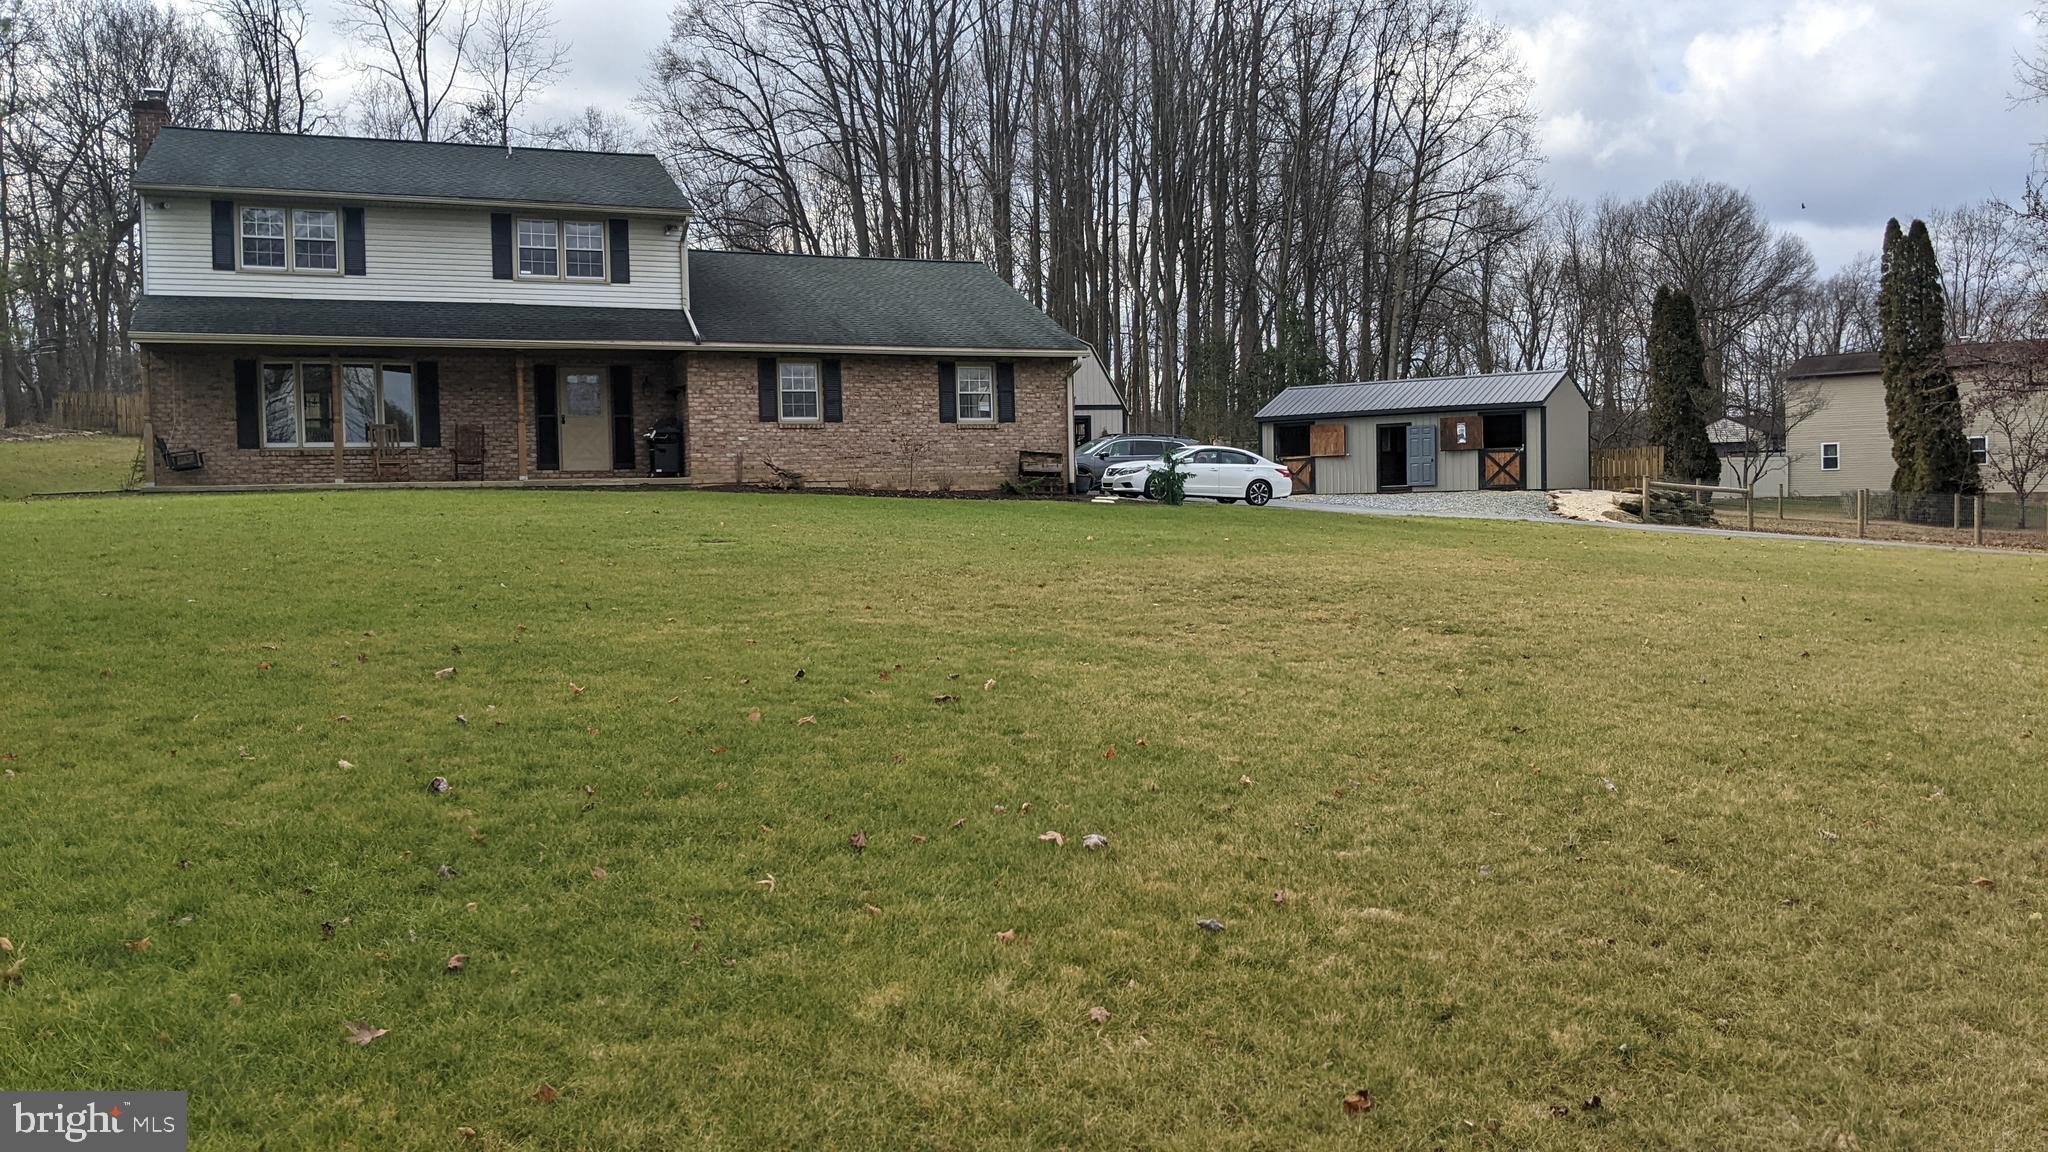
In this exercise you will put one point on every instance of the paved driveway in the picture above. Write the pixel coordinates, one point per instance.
(1463, 505)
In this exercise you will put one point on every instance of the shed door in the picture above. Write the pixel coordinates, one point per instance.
(1421, 455)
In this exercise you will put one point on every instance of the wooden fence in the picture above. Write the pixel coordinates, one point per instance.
(119, 412)
(1619, 469)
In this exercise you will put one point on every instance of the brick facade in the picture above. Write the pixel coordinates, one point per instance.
(891, 437)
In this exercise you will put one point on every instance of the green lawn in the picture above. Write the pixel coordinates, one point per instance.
(65, 464)
(222, 714)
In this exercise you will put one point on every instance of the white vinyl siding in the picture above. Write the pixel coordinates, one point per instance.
(412, 252)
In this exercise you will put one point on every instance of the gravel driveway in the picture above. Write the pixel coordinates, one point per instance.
(1463, 505)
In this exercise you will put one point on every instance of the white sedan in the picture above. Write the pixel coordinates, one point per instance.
(1225, 475)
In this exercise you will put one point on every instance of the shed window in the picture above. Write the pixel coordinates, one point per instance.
(1505, 429)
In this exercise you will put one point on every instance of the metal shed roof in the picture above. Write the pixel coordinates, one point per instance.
(1440, 393)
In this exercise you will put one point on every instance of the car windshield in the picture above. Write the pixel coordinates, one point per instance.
(1181, 454)
(1089, 448)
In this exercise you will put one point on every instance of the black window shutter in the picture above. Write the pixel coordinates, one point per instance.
(501, 246)
(829, 383)
(766, 379)
(427, 382)
(948, 400)
(547, 433)
(248, 410)
(224, 235)
(622, 417)
(353, 262)
(1006, 393)
(622, 255)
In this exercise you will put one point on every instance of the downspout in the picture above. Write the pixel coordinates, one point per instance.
(683, 260)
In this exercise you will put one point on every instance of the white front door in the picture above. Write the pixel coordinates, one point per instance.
(586, 423)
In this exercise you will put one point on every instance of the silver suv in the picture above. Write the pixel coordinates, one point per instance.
(1092, 459)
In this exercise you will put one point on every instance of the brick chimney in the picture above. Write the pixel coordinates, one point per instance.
(151, 113)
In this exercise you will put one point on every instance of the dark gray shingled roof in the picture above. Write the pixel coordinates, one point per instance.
(406, 320)
(737, 298)
(758, 298)
(356, 166)
(1440, 393)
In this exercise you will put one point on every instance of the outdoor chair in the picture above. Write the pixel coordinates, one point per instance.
(181, 459)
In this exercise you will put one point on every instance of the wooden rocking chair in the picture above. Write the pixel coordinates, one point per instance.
(384, 451)
(469, 449)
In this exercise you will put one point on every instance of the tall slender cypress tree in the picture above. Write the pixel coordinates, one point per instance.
(1679, 394)
(1942, 440)
(1897, 314)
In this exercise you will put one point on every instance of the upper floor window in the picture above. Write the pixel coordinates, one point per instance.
(561, 249)
(538, 251)
(314, 236)
(583, 249)
(263, 238)
(975, 386)
(1980, 449)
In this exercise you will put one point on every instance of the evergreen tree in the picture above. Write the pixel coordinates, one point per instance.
(1923, 410)
(1679, 394)
(1896, 316)
(1942, 442)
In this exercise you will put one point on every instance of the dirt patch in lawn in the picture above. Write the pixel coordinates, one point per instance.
(1591, 504)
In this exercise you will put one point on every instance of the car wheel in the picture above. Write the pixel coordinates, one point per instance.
(1151, 487)
(1258, 493)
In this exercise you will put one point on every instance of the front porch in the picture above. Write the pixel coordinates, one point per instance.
(267, 418)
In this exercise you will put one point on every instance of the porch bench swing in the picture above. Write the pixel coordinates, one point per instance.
(179, 459)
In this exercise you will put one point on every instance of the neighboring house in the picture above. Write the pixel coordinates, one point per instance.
(1099, 409)
(1846, 444)
(1750, 457)
(1450, 434)
(322, 309)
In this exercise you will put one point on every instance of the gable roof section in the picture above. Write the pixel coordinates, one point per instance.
(1440, 393)
(1964, 355)
(846, 301)
(202, 159)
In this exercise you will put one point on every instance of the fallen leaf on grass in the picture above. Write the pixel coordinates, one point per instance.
(361, 1034)
(444, 673)
(546, 1093)
(466, 1132)
(141, 945)
(446, 873)
(754, 717)
(344, 765)
(1058, 840)
(1560, 1112)
(717, 749)
(1986, 883)
(234, 999)
(1592, 1104)
(575, 689)
(6, 945)
(263, 666)
(1006, 936)
(457, 961)
(767, 882)
(11, 974)
(1359, 1103)
(988, 685)
(872, 910)
(1210, 925)
(1282, 897)
(1099, 1014)
(343, 718)
(1110, 754)
(1094, 842)
(802, 720)
(918, 839)
(960, 823)
(944, 698)
(598, 873)
(1141, 742)
(859, 840)
(1244, 781)
(437, 785)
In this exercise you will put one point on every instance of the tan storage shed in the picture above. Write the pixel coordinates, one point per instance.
(1509, 430)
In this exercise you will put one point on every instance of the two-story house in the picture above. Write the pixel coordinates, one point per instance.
(322, 309)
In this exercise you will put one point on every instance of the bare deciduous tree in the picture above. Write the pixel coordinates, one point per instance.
(414, 52)
(515, 56)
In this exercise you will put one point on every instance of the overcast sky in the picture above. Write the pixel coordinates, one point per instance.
(1835, 114)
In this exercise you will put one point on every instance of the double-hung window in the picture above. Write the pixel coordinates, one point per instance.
(263, 238)
(291, 239)
(1980, 449)
(975, 387)
(583, 249)
(1830, 457)
(539, 254)
(799, 390)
